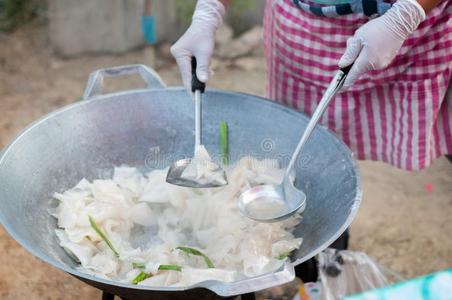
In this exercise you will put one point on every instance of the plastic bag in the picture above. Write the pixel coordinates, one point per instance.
(343, 273)
(436, 286)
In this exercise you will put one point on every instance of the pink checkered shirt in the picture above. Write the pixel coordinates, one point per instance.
(401, 115)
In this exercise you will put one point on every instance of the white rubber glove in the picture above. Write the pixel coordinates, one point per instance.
(376, 43)
(199, 40)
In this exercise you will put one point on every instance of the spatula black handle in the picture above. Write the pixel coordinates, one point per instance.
(196, 84)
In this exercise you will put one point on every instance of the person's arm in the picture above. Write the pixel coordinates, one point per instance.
(427, 5)
(199, 40)
(376, 43)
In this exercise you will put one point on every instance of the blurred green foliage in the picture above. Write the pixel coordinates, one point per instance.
(184, 11)
(14, 13)
(238, 13)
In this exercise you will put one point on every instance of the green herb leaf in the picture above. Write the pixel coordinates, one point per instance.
(143, 275)
(197, 191)
(170, 268)
(193, 251)
(283, 256)
(140, 277)
(102, 235)
(224, 142)
(138, 265)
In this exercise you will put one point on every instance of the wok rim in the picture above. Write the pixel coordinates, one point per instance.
(208, 284)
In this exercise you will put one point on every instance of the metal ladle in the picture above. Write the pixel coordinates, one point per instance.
(175, 172)
(271, 203)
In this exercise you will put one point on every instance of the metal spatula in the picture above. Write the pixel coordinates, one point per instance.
(216, 176)
(271, 203)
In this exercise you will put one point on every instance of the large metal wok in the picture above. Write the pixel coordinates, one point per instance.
(88, 138)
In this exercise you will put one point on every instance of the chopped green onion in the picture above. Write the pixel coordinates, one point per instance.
(143, 275)
(224, 142)
(197, 191)
(140, 277)
(170, 268)
(161, 267)
(283, 256)
(193, 251)
(102, 235)
(138, 265)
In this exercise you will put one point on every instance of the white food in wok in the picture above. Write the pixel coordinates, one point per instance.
(146, 218)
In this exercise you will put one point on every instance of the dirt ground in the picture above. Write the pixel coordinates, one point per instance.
(404, 220)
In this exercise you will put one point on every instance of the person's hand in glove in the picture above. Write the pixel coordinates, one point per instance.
(376, 43)
(199, 40)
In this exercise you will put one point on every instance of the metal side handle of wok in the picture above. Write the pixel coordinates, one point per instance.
(285, 275)
(94, 86)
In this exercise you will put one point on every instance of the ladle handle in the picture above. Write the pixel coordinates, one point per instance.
(346, 69)
(335, 85)
(197, 87)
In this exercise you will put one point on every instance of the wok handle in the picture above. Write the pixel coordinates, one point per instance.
(94, 85)
(258, 283)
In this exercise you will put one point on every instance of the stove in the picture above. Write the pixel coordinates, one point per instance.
(201, 296)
